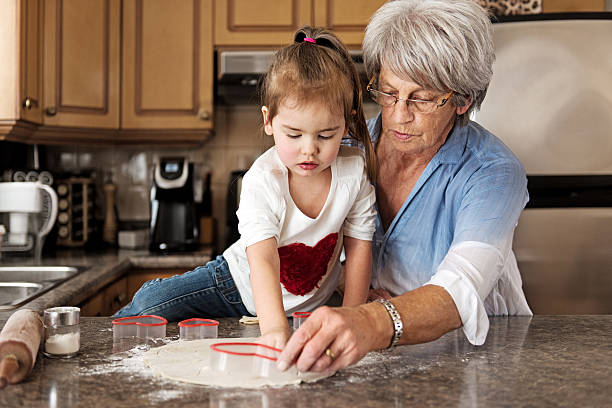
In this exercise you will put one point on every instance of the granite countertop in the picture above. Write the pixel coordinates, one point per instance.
(540, 361)
(101, 268)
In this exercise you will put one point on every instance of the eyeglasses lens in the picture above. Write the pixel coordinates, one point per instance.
(390, 100)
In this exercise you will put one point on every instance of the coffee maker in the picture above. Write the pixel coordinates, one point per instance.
(174, 217)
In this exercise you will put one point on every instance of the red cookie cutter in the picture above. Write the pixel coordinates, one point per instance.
(299, 318)
(197, 328)
(142, 327)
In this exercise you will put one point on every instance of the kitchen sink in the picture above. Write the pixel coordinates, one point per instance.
(21, 284)
(12, 294)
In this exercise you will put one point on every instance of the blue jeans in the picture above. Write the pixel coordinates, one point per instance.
(207, 291)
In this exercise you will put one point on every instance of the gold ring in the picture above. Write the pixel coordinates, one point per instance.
(330, 354)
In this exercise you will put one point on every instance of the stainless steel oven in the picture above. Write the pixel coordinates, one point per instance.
(550, 101)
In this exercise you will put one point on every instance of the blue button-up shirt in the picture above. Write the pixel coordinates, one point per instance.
(455, 229)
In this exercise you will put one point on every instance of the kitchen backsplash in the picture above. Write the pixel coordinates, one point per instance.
(237, 141)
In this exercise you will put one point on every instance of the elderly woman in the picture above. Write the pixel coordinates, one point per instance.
(449, 193)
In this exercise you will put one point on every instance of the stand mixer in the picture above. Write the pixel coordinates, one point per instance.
(28, 211)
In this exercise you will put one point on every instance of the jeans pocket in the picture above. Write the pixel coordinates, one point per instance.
(226, 285)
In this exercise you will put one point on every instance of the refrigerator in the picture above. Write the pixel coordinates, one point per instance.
(550, 102)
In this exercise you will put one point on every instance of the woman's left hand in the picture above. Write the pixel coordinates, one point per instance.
(330, 339)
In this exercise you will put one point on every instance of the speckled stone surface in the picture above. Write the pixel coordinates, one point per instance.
(544, 361)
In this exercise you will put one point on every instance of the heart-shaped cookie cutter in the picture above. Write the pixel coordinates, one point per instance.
(236, 357)
(299, 318)
(141, 327)
(197, 328)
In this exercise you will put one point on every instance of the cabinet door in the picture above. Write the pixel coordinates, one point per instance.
(136, 277)
(94, 306)
(20, 67)
(115, 297)
(347, 18)
(31, 61)
(259, 22)
(167, 64)
(107, 301)
(570, 6)
(81, 68)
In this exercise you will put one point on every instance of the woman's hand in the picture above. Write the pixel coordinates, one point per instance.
(348, 333)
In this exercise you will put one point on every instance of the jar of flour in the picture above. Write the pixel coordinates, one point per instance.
(62, 332)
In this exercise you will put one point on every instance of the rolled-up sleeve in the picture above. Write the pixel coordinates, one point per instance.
(468, 273)
(261, 211)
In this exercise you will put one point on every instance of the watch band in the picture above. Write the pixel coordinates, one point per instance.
(398, 326)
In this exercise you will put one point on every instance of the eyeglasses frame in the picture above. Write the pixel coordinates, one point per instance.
(440, 103)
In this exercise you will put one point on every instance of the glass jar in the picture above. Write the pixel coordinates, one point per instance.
(62, 332)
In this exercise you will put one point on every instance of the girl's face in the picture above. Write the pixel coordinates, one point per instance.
(307, 137)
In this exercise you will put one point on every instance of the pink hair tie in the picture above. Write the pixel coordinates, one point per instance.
(311, 40)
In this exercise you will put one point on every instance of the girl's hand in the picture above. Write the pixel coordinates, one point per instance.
(374, 294)
(275, 338)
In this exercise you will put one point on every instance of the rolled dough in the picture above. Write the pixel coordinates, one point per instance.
(188, 361)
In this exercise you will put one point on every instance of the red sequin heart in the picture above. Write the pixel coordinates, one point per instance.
(303, 266)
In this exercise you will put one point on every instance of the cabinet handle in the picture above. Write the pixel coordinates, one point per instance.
(51, 111)
(28, 103)
(203, 114)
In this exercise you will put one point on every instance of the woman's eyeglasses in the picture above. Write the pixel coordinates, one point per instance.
(420, 105)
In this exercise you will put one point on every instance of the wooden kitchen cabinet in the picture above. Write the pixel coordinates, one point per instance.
(82, 63)
(167, 72)
(31, 40)
(259, 22)
(571, 6)
(108, 300)
(347, 18)
(62, 64)
(21, 69)
(273, 23)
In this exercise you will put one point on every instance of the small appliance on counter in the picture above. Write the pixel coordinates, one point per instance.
(28, 211)
(234, 188)
(174, 215)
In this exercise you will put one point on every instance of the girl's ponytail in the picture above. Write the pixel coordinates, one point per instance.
(355, 117)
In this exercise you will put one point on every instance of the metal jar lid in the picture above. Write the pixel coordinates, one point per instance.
(62, 316)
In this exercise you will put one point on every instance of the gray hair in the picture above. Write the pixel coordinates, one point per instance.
(439, 44)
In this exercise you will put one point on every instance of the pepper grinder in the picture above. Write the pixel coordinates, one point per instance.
(109, 234)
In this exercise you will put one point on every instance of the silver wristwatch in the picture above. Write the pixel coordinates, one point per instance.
(398, 326)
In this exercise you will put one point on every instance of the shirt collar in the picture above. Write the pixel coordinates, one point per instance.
(450, 152)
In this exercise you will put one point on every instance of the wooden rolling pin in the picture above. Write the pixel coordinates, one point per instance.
(19, 341)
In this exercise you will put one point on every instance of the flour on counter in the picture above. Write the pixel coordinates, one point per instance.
(131, 362)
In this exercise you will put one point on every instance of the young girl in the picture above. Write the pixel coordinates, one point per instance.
(301, 202)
